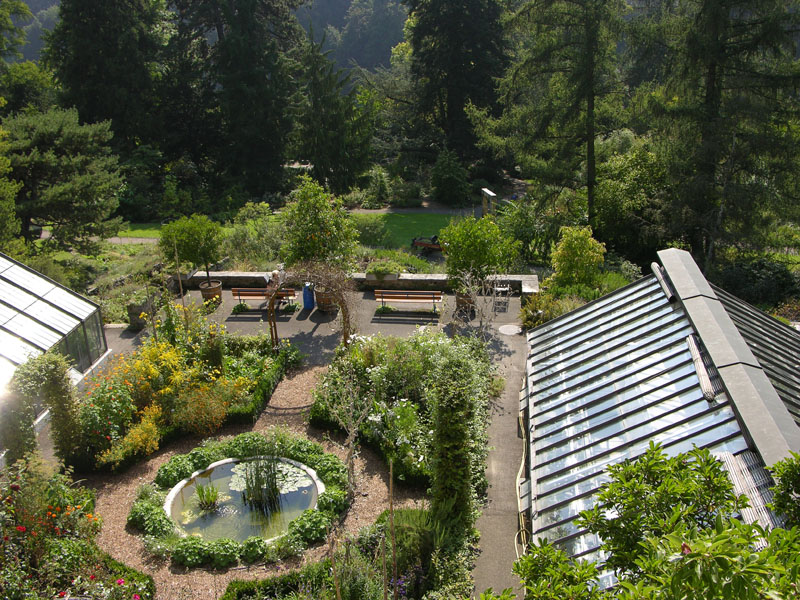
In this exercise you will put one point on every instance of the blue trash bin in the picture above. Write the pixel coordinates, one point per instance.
(308, 297)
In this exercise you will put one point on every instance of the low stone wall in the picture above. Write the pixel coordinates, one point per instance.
(522, 284)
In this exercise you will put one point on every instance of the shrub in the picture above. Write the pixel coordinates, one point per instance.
(577, 257)
(378, 188)
(312, 526)
(201, 409)
(477, 247)
(191, 552)
(46, 377)
(254, 549)
(223, 552)
(150, 518)
(449, 180)
(196, 239)
(141, 440)
(405, 194)
(246, 445)
(317, 227)
(17, 433)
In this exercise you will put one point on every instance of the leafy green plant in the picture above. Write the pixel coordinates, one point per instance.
(317, 227)
(312, 526)
(385, 309)
(254, 549)
(383, 267)
(378, 192)
(332, 501)
(239, 308)
(477, 247)
(191, 552)
(291, 307)
(224, 552)
(650, 496)
(577, 257)
(150, 518)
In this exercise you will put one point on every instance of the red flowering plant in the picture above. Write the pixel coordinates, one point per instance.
(106, 412)
(48, 526)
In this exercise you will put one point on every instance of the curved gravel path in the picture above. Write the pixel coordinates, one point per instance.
(288, 407)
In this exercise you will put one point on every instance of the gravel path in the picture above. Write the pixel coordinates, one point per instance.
(288, 407)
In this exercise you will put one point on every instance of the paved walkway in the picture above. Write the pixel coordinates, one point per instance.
(317, 335)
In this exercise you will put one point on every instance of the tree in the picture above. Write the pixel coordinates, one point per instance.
(477, 247)
(561, 92)
(449, 180)
(69, 177)
(317, 227)
(11, 35)
(105, 56)
(456, 52)
(196, 239)
(232, 59)
(652, 496)
(371, 29)
(9, 223)
(335, 126)
(727, 118)
(26, 85)
(669, 528)
(787, 489)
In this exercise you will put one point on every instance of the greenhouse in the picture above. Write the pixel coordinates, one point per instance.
(669, 359)
(37, 315)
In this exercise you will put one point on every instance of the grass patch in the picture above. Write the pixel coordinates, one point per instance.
(140, 230)
(405, 227)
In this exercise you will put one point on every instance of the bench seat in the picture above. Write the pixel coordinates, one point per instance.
(410, 296)
(288, 294)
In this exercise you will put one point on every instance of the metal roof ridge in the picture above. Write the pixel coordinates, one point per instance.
(765, 418)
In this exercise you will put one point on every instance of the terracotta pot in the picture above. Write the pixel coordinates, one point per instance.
(211, 290)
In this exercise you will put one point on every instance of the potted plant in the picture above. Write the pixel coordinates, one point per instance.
(196, 239)
(383, 270)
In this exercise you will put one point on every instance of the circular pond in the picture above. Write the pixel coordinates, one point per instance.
(232, 516)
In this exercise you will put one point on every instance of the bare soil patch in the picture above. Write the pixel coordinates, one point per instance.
(288, 407)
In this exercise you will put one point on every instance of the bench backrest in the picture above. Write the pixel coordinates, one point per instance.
(407, 295)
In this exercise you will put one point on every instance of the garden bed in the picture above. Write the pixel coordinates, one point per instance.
(287, 407)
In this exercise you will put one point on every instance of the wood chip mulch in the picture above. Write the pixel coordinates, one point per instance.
(288, 407)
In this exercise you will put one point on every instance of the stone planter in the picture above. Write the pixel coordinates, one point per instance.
(135, 312)
(211, 290)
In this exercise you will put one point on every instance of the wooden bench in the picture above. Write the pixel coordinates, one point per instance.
(285, 294)
(403, 296)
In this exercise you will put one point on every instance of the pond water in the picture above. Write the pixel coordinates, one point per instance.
(233, 518)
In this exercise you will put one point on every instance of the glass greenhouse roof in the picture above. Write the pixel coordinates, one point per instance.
(602, 383)
(35, 315)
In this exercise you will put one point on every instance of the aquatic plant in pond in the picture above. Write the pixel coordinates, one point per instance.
(261, 491)
(288, 489)
(207, 496)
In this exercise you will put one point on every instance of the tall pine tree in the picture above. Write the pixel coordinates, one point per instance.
(562, 90)
(335, 126)
(727, 118)
(105, 56)
(457, 51)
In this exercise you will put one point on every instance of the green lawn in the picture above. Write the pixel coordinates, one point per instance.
(141, 230)
(405, 227)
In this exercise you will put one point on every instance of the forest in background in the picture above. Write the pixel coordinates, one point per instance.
(656, 124)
